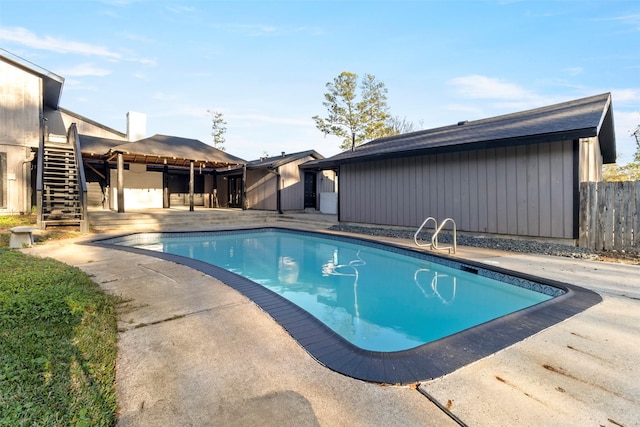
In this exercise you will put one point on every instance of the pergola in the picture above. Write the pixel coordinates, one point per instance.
(158, 150)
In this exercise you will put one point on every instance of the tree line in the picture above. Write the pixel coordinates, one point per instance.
(358, 113)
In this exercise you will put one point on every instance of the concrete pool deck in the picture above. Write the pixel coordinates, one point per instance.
(193, 351)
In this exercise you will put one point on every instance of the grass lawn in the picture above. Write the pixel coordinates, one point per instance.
(57, 345)
(9, 221)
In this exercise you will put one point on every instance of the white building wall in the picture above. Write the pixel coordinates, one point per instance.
(142, 189)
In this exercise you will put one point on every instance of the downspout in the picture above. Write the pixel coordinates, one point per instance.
(245, 203)
(20, 170)
(337, 171)
(120, 183)
(191, 186)
(278, 179)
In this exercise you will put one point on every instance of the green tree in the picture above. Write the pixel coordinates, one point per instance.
(636, 135)
(628, 172)
(218, 129)
(615, 172)
(356, 119)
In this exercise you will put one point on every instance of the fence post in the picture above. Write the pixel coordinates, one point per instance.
(636, 215)
(583, 215)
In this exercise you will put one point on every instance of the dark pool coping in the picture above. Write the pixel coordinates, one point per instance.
(425, 362)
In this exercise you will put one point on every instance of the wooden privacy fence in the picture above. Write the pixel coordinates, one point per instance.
(610, 215)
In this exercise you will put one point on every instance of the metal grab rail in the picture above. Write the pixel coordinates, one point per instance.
(434, 238)
(415, 236)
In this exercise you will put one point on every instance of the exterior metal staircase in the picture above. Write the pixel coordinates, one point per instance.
(61, 188)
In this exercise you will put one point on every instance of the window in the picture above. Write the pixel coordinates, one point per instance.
(3, 180)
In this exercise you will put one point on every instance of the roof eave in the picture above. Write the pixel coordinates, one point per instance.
(530, 139)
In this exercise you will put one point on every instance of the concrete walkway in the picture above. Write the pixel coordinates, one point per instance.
(192, 351)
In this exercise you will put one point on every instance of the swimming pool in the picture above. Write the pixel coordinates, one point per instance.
(372, 311)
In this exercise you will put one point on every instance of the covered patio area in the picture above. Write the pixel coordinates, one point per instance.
(144, 174)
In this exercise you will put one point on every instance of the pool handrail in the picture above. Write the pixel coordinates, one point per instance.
(434, 238)
(415, 236)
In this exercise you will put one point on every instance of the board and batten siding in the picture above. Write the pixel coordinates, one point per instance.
(261, 190)
(590, 159)
(20, 106)
(522, 190)
(90, 128)
(292, 194)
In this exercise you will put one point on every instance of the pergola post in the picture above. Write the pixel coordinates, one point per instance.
(165, 187)
(244, 187)
(120, 183)
(191, 186)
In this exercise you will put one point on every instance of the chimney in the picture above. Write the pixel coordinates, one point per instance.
(136, 126)
(283, 154)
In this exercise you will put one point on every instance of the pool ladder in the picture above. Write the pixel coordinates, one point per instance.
(434, 237)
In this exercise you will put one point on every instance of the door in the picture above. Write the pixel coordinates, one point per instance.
(310, 190)
(235, 191)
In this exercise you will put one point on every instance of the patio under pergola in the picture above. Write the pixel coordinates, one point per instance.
(100, 154)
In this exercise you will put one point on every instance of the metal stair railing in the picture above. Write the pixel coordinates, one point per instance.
(82, 182)
(39, 176)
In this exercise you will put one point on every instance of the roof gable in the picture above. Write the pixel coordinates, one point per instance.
(277, 161)
(159, 149)
(51, 82)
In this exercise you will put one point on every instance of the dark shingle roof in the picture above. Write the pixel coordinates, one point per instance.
(582, 118)
(276, 161)
(95, 146)
(159, 149)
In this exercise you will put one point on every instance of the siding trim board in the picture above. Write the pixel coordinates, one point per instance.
(576, 188)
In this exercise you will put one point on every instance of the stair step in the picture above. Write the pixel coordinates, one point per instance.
(59, 165)
(52, 149)
(59, 169)
(58, 157)
(61, 190)
(59, 153)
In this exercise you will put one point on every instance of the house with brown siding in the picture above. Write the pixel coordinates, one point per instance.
(61, 163)
(516, 174)
(276, 183)
(29, 113)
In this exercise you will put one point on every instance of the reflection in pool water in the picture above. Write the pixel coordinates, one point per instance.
(376, 299)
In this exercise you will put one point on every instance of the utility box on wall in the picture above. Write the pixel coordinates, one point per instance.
(329, 203)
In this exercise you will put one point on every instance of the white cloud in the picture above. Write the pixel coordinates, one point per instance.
(25, 37)
(269, 119)
(162, 96)
(482, 87)
(251, 29)
(180, 9)
(632, 20)
(261, 30)
(625, 95)
(83, 70)
(573, 71)
(136, 37)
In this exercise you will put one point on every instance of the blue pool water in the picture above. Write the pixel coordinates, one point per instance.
(376, 299)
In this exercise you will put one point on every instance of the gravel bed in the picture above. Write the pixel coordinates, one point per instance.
(510, 245)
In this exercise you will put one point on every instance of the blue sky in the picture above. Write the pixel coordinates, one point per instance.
(265, 64)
